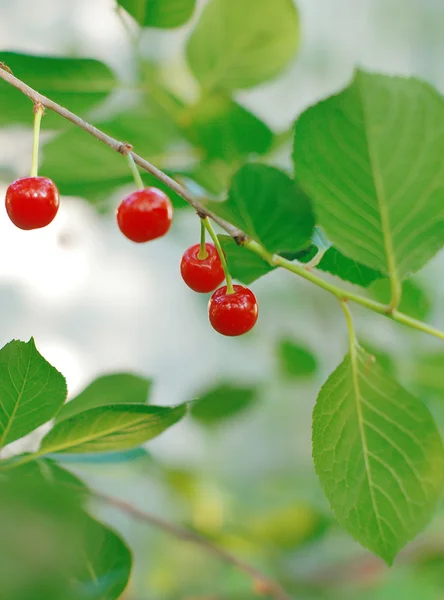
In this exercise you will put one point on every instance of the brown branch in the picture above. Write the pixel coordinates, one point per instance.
(122, 148)
(262, 583)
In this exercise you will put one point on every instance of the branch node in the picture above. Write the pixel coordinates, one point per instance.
(125, 148)
(5, 68)
(240, 239)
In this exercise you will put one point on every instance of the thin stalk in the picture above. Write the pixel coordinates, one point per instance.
(223, 260)
(39, 109)
(135, 171)
(202, 254)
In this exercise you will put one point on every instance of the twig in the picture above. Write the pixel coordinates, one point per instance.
(267, 586)
(238, 235)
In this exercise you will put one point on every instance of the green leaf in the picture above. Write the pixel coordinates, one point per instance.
(106, 564)
(245, 266)
(295, 361)
(222, 402)
(110, 428)
(269, 207)
(226, 130)
(378, 455)
(336, 263)
(427, 373)
(414, 300)
(235, 47)
(369, 159)
(164, 14)
(116, 388)
(77, 83)
(31, 390)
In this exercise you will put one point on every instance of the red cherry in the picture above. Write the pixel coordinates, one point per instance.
(233, 314)
(202, 274)
(145, 215)
(32, 202)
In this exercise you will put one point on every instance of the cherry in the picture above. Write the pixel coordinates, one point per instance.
(32, 202)
(145, 215)
(202, 274)
(233, 314)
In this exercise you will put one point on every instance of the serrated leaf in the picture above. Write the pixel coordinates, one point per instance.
(235, 47)
(414, 300)
(115, 388)
(77, 83)
(295, 361)
(269, 207)
(245, 266)
(378, 455)
(226, 130)
(31, 390)
(105, 567)
(222, 402)
(369, 158)
(164, 14)
(110, 428)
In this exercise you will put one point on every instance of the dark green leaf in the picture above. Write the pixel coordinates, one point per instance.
(222, 402)
(159, 13)
(295, 361)
(116, 388)
(370, 186)
(269, 207)
(378, 455)
(106, 566)
(235, 45)
(110, 428)
(77, 83)
(414, 301)
(245, 266)
(31, 390)
(226, 130)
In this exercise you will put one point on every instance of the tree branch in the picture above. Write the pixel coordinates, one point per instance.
(262, 582)
(238, 235)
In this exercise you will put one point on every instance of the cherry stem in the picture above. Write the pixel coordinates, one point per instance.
(202, 254)
(223, 260)
(135, 171)
(39, 109)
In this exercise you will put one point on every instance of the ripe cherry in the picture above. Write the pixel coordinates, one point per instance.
(32, 202)
(233, 314)
(202, 274)
(145, 215)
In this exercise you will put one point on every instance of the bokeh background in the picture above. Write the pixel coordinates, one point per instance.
(97, 304)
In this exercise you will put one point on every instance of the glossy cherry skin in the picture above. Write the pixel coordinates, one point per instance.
(233, 314)
(32, 202)
(145, 215)
(202, 274)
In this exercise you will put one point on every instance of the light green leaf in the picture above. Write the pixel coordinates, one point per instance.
(414, 300)
(31, 390)
(164, 14)
(226, 130)
(378, 455)
(427, 373)
(235, 45)
(295, 361)
(222, 402)
(106, 566)
(370, 160)
(269, 207)
(77, 83)
(110, 428)
(116, 388)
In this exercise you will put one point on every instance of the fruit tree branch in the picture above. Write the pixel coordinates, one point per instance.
(262, 582)
(238, 235)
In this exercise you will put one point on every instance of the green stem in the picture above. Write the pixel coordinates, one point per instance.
(202, 254)
(38, 113)
(15, 461)
(349, 321)
(223, 260)
(135, 171)
(340, 293)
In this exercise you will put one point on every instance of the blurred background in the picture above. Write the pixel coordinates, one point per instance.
(97, 304)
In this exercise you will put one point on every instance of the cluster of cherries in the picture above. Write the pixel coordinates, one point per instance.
(144, 215)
